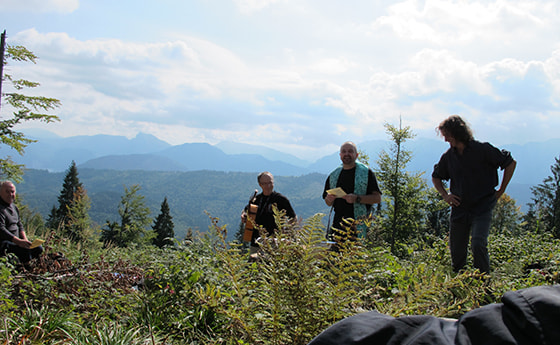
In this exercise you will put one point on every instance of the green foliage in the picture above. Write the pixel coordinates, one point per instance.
(71, 217)
(506, 216)
(207, 291)
(108, 333)
(78, 224)
(189, 194)
(163, 227)
(545, 208)
(134, 220)
(295, 289)
(6, 279)
(363, 157)
(527, 259)
(34, 225)
(437, 214)
(171, 285)
(404, 193)
(38, 326)
(26, 108)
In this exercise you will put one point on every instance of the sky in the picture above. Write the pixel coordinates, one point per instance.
(298, 76)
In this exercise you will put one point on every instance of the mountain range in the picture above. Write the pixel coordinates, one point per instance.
(146, 152)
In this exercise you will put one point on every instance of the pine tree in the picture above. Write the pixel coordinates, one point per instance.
(189, 236)
(51, 222)
(402, 216)
(163, 227)
(110, 234)
(79, 222)
(59, 219)
(545, 207)
(134, 219)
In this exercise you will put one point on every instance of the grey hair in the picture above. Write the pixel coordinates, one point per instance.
(262, 174)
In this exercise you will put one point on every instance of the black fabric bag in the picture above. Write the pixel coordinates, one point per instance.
(525, 317)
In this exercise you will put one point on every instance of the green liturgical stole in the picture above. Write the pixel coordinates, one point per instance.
(360, 188)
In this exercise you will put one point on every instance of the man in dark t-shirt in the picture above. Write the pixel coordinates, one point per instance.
(360, 190)
(471, 167)
(265, 214)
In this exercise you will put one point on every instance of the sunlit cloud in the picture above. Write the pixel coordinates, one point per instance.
(306, 75)
(251, 6)
(38, 6)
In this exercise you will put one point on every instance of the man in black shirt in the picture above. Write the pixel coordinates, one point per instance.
(265, 214)
(360, 185)
(471, 167)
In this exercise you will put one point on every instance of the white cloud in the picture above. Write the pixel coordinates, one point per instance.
(452, 22)
(486, 28)
(252, 6)
(45, 6)
(308, 74)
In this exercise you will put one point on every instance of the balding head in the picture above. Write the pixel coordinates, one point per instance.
(7, 192)
(348, 154)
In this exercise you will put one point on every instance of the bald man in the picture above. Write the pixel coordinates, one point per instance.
(360, 185)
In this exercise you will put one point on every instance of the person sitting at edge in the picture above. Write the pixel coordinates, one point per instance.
(471, 167)
(265, 214)
(360, 185)
(12, 235)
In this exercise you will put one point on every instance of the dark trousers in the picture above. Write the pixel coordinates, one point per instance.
(460, 230)
(23, 254)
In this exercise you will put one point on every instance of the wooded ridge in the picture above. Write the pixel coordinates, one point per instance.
(189, 194)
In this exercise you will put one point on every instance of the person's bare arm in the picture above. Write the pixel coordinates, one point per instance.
(507, 175)
(450, 199)
(21, 242)
(369, 199)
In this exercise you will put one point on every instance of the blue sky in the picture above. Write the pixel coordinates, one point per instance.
(300, 76)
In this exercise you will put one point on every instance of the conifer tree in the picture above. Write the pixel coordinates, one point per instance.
(544, 210)
(402, 215)
(79, 222)
(134, 219)
(51, 219)
(59, 219)
(25, 108)
(163, 227)
(189, 236)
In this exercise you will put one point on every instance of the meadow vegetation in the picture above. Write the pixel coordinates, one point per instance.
(205, 291)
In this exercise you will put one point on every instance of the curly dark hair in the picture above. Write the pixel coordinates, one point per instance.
(457, 128)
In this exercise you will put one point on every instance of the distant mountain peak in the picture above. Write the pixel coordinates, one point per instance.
(144, 136)
(40, 133)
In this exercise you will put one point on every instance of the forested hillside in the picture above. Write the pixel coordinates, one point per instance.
(189, 194)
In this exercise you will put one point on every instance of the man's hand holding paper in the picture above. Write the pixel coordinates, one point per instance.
(338, 192)
(36, 243)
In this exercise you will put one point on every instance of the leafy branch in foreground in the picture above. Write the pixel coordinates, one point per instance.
(25, 107)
